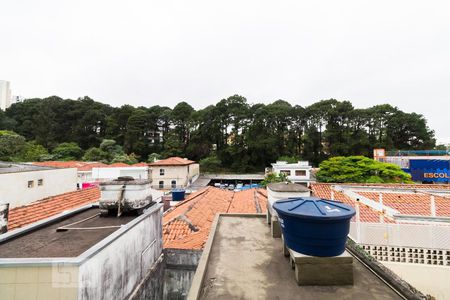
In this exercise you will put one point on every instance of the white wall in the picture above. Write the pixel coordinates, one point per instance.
(181, 174)
(432, 280)
(113, 173)
(291, 168)
(114, 272)
(15, 191)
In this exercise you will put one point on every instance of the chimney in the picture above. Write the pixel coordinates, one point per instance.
(4, 209)
(166, 202)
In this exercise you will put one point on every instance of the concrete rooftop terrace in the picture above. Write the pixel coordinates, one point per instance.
(242, 261)
(45, 241)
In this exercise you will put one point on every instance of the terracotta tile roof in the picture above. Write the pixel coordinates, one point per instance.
(172, 161)
(45, 208)
(80, 165)
(118, 165)
(407, 203)
(88, 167)
(187, 225)
(412, 203)
(366, 213)
(141, 164)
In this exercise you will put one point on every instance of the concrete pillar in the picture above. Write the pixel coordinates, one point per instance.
(433, 206)
(275, 227)
(358, 223)
(380, 198)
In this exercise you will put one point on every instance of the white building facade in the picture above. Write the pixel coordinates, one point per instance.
(102, 173)
(299, 172)
(23, 184)
(5, 95)
(174, 172)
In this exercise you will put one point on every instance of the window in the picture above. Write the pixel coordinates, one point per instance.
(161, 184)
(40, 182)
(300, 173)
(30, 184)
(285, 172)
(161, 172)
(174, 184)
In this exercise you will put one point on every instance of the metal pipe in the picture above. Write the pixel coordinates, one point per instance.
(64, 228)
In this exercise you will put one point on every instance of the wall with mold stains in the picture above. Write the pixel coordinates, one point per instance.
(116, 270)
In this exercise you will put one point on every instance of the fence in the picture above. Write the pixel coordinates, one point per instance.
(401, 235)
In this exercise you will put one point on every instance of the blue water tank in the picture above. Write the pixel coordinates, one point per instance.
(178, 194)
(314, 226)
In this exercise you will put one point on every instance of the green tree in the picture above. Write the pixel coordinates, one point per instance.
(11, 145)
(153, 157)
(210, 164)
(95, 154)
(360, 169)
(32, 152)
(67, 151)
(125, 158)
(273, 178)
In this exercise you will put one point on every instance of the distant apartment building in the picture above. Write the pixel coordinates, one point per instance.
(299, 172)
(5, 95)
(21, 184)
(173, 172)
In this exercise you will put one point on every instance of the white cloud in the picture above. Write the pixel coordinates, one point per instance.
(161, 52)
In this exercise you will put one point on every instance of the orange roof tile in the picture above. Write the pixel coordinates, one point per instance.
(407, 203)
(187, 225)
(45, 208)
(118, 165)
(141, 164)
(172, 161)
(80, 165)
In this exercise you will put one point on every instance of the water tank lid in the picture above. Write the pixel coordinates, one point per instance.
(178, 190)
(314, 208)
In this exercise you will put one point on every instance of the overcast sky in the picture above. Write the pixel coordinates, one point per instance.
(162, 52)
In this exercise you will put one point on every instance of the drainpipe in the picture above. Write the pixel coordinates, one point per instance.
(4, 209)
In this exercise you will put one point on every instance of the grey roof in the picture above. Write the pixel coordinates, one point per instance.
(287, 187)
(9, 167)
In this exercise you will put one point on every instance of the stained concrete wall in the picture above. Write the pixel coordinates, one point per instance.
(15, 191)
(429, 279)
(116, 270)
(179, 272)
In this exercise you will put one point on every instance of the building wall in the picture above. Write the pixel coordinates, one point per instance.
(183, 175)
(14, 186)
(39, 283)
(5, 95)
(432, 280)
(180, 270)
(290, 169)
(113, 173)
(116, 270)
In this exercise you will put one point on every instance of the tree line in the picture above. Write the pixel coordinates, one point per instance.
(233, 134)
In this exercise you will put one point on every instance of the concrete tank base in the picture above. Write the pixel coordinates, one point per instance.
(313, 270)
